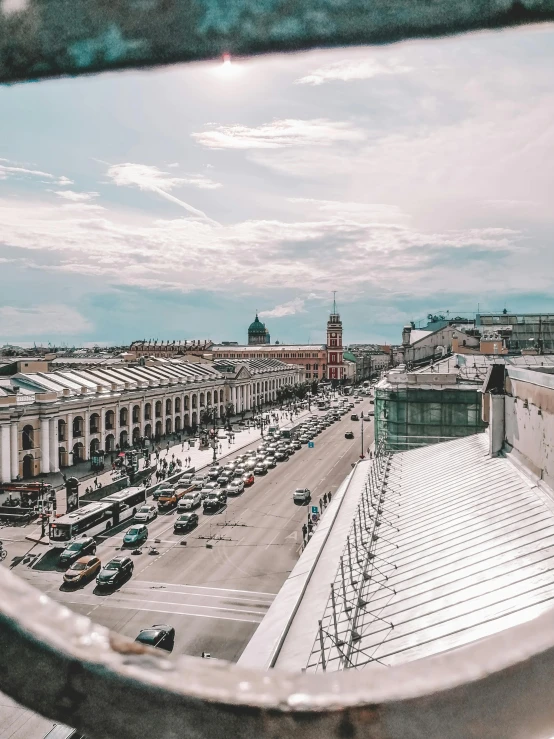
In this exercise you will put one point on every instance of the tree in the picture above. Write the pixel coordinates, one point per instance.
(314, 387)
(206, 417)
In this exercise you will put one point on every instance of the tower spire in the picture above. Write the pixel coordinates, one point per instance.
(334, 301)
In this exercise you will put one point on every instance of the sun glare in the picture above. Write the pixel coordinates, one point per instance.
(227, 68)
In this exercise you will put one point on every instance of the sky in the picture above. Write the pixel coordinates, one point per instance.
(412, 178)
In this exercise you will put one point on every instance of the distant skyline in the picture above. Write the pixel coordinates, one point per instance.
(411, 178)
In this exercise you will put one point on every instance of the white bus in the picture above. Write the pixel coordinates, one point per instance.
(96, 518)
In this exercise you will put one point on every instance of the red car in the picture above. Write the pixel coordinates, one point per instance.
(248, 479)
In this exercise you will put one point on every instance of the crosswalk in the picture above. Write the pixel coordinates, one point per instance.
(186, 600)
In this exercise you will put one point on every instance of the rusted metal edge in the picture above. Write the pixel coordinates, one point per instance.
(65, 667)
(49, 38)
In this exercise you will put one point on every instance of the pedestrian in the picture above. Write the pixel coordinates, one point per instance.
(320, 504)
(304, 531)
(95, 482)
(183, 446)
(324, 498)
(329, 496)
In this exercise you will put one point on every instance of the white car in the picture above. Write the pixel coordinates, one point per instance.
(146, 513)
(235, 488)
(301, 495)
(189, 501)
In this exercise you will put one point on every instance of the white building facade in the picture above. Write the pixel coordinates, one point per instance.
(51, 420)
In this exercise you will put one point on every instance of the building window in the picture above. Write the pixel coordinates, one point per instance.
(308, 366)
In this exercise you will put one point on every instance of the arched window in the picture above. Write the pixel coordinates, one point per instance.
(168, 407)
(147, 412)
(28, 437)
(177, 405)
(158, 409)
(136, 414)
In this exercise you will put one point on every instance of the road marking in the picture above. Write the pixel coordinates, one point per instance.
(293, 536)
(204, 587)
(178, 613)
(199, 595)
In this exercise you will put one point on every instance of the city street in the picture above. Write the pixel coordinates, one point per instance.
(216, 589)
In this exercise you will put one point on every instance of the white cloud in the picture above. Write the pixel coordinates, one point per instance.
(76, 197)
(41, 320)
(285, 309)
(354, 69)
(173, 165)
(364, 211)
(10, 171)
(203, 183)
(64, 181)
(280, 134)
(332, 251)
(151, 179)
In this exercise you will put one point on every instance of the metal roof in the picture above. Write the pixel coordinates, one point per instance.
(464, 548)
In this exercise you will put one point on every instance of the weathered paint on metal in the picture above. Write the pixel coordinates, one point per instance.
(46, 38)
(67, 668)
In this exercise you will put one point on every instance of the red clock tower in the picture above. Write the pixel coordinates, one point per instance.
(335, 362)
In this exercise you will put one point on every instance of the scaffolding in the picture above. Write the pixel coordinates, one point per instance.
(409, 417)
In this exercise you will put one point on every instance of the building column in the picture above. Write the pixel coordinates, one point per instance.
(131, 424)
(14, 444)
(5, 455)
(54, 453)
(86, 442)
(69, 442)
(117, 427)
(45, 445)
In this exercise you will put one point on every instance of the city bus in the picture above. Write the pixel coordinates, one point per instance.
(96, 518)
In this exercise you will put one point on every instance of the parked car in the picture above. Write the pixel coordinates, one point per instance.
(159, 636)
(236, 487)
(115, 572)
(136, 535)
(349, 435)
(215, 500)
(77, 548)
(81, 570)
(146, 513)
(248, 479)
(354, 417)
(260, 469)
(185, 522)
(301, 495)
(190, 501)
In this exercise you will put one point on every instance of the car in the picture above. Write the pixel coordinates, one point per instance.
(239, 471)
(146, 513)
(301, 495)
(281, 455)
(354, 417)
(270, 462)
(304, 439)
(251, 465)
(185, 522)
(187, 478)
(163, 490)
(235, 488)
(260, 469)
(224, 479)
(81, 570)
(159, 636)
(190, 501)
(136, 535)
(214, 472)
(115, 572)
(230, 467)
(199, 481)
(215, 500)
(77, 548)
(371, 413)
(209, 487)
(372, 402)
(349, 435)
(248, 479)
(289, 449)
(297, 444)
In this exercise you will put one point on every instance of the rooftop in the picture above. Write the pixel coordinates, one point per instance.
(464, 549)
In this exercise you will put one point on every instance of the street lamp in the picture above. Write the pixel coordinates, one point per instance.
(362, 455)
(214, 441)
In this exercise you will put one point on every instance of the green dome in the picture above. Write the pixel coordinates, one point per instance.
(256, 327)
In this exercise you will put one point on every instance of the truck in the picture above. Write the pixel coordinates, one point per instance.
(169, 498)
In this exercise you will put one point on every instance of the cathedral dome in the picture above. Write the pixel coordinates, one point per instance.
(257, 327)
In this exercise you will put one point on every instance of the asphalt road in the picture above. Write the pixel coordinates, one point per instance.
(216, 589)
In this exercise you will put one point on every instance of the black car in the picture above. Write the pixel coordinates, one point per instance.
(349, 435)
(215, 500)
(354, 417)
(115, 572)
(160, 636)
(185, 522)
(77, 549)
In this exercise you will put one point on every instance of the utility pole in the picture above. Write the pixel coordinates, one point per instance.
(362, 455)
